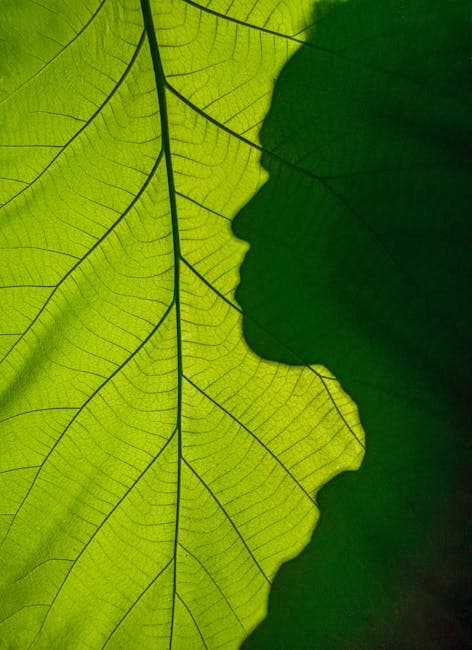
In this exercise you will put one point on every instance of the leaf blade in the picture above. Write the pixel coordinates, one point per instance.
(134, 365)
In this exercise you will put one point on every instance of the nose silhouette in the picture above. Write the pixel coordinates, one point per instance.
(244, 225)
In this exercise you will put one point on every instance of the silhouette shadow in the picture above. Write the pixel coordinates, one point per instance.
(359, 260)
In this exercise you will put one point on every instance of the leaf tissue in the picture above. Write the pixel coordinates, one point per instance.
(154, 472)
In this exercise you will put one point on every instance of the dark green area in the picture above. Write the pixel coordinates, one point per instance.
(360, 260)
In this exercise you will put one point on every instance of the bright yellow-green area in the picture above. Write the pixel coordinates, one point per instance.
(154, 472)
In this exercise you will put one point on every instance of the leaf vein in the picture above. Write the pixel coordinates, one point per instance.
(251, 433)
(85, 125)
(79, 411)
(100, 527)
(87, 253)
(226, 513)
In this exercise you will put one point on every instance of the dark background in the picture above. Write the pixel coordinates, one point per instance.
(359, 260)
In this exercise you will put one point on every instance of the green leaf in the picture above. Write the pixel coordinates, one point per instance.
(154, 472)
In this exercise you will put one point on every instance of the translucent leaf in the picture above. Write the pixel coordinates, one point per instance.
(154, 472)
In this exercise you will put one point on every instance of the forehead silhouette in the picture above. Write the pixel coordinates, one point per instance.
(290, 117)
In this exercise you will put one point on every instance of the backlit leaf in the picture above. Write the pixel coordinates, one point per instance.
(154, 472)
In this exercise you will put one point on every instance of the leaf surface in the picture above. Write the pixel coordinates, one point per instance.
(154, 472)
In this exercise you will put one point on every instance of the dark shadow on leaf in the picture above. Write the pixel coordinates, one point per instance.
(359, 260)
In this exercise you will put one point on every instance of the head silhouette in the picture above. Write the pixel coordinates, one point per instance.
(358, 260)
(357, 238)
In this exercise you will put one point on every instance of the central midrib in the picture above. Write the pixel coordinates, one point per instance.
(160, 81)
